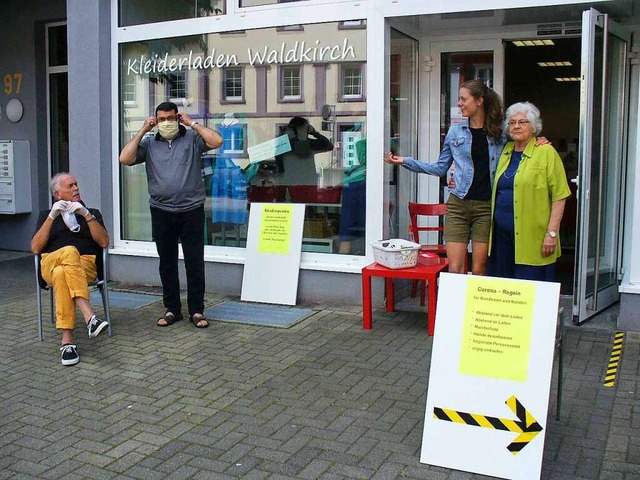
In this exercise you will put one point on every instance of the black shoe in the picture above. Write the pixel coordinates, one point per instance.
(69, 354)
(95, 326)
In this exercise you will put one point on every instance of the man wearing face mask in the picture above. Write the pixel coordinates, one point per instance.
(177, 195)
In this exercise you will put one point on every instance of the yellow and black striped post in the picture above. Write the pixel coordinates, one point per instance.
(614, 360)
(526, 425)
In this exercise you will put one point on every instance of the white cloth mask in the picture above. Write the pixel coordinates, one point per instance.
(69, 218)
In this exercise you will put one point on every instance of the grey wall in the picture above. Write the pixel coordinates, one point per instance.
(332, 288)
(22, 40)
(90, 159)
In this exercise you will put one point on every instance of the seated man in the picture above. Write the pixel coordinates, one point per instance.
(70, 238)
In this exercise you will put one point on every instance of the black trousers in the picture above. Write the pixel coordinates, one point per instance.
(169, 228)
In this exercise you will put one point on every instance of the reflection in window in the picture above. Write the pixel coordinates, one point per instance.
(349, 134)
(138, 12)
(290, 28)
(290, 83)
(264, 96)
(256, 3)
(234, 140)
(177, 85)
(353, 24)
(129, 90)
(351, 82)
(233, 85)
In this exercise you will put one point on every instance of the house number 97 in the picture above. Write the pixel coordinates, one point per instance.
(12, 83)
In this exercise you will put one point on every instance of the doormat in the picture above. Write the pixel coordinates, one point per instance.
(125, 299)
(257, 314)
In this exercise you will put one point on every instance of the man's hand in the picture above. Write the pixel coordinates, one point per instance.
(57, 208)
(149, 123)
(185, 119)
(77, 208)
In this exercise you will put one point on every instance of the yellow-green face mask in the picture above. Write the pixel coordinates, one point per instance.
(168, 130)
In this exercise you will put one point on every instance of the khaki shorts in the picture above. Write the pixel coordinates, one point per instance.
(467, 219)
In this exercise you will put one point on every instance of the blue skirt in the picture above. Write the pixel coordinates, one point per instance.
(502, 260)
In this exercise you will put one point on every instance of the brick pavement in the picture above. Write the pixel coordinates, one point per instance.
(324, 399)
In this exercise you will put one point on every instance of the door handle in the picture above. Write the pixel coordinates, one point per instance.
(575, 180)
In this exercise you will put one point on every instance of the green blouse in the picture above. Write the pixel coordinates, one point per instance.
(539, 181)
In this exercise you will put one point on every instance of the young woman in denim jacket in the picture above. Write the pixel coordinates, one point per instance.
(474, 147)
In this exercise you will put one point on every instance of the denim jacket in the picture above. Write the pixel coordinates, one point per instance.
(457, 149)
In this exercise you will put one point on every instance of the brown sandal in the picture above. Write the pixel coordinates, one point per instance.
(169, 319)
(197, 320)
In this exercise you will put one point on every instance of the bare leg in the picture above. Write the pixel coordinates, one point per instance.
(456, 254)
(345, 247)
(67, 336)
(480, 252)
(85, 308)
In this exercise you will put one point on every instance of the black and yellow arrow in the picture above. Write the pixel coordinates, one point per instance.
(526, 425)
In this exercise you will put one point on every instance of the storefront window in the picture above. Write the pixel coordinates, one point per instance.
(137, 12)
(265, 96)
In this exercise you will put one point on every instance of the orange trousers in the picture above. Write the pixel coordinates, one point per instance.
(69, 273)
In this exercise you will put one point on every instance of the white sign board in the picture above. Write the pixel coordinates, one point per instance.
(274, 244)
(490, 375)
(269, 149)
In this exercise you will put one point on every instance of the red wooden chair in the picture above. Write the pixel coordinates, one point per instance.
(426, 210)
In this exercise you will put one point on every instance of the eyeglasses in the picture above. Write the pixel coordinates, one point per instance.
(170, 118)
(513, 123)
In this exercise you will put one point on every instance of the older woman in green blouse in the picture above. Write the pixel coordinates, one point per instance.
(529, 193)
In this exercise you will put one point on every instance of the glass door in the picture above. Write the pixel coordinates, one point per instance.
(403, 107)
(451, 64)
(603, 100)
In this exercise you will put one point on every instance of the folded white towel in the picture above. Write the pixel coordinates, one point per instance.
(70, 220)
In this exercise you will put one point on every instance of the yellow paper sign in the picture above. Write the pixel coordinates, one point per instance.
(497, 328)
(275, 229)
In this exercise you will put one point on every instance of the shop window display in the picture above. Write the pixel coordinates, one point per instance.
(264, 95)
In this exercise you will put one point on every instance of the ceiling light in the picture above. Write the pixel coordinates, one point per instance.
(532, 43)
(555, 64)
(567, 79)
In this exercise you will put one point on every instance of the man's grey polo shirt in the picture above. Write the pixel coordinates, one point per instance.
(174, 170)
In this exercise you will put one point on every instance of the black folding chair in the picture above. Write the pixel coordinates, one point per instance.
(100, 283)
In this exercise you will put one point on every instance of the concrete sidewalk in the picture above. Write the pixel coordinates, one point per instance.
(323, 399)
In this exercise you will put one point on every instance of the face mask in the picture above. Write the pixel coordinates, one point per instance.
(168, 130)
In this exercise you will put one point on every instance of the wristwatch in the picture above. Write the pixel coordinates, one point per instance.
(89, 217)
(552, 234)
(193, 124)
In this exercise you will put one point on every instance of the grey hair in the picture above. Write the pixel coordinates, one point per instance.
(54, 183)
(530, 110)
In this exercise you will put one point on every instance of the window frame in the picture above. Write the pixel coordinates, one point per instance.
(352, 24)
(183, 74)
(133, 102)
(282, 98)
(233, 154)
(314, 12)
(224, 99)
(342, 96)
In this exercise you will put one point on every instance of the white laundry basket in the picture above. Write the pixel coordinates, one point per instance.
(396, 253)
